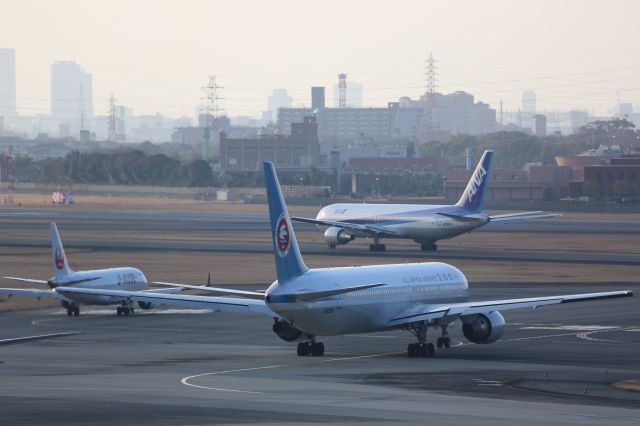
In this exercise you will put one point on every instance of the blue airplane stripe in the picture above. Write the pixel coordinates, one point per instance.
(449, 209)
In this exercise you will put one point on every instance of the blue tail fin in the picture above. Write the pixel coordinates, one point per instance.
(473, 195)
(289, 263)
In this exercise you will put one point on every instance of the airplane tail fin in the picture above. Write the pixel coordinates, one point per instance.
(60, 265)
(473, 195)
(289, 263)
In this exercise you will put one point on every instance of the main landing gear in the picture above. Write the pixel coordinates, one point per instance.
(444, 341)
(376, 246)
(311, 347)
(125, 310)
(422, 348)
(428, 247)
(73, 310)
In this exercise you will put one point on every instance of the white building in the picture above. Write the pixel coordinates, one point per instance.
(71, 96)
(278, 99)
(7, 83)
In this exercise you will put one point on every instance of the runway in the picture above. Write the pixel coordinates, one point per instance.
(80, 219)
(251, 232)
(555, 365)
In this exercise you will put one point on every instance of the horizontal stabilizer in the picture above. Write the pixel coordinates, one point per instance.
(27, 280)
(461, 218)
(313, 296)
(512, 217)
(219, 290)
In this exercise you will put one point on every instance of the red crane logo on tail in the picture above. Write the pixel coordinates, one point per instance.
(59, 259)
(282, 236)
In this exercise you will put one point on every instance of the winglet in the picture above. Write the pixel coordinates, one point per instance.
(473, 195)
(60, 265)
(289, 263)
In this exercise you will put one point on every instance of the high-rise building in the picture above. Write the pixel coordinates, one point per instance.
(539, 125)
(278, 99)
(317, 98)
(71, 95)
(7, 82)
(528, 104)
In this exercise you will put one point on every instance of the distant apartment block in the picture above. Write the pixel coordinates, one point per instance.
(534, 182)
(300, 150)
(7, 82)
(454, 113)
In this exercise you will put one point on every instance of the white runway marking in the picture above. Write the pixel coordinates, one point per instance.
(185, 380)
(9, 214)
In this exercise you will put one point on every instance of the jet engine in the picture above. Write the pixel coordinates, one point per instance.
(144, 305)
(286, 331)
(336, 236)
(482, 328)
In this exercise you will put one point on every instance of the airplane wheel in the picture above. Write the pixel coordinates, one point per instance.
(440, 342)
(69, 311)
(119, 311)
(76, 311)
(446, 342)
(317, 349)
(412, 350)
(430, 350)
(126, 311)
(377, 247)
(332, 246)
(303, 349)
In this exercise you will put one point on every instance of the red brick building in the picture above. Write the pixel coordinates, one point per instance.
(620, 178)
(301, 150)
(535, 182)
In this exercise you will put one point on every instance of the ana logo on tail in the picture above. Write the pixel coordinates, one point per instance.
(282, 236)
(476, 182)
(59, 259)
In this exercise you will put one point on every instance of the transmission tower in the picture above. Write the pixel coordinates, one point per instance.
(211, 110)
(113, 121)
(342, 90)
(429, 127)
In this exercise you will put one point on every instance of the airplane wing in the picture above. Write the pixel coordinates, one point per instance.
(315, 295)
(31, 292)
(253, 294)
(510, 217)
(424, 312)
(227, 304)
(27, 280)
(367, 229)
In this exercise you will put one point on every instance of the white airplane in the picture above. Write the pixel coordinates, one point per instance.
(425, 224)
(307, 303)
(129, 279)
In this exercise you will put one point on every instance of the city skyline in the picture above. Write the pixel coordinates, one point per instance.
(155, 56)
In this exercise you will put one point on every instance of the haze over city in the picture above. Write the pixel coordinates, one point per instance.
(154, 56)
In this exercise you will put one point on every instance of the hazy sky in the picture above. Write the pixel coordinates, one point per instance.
(155, 55)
